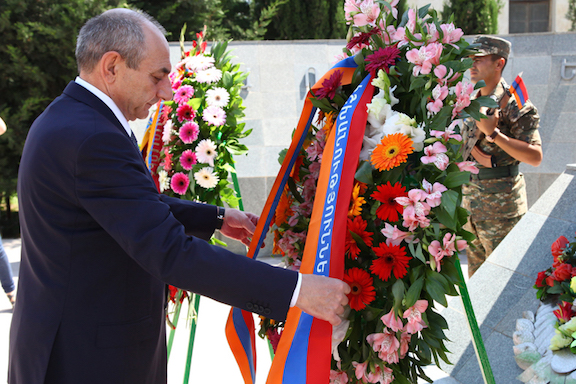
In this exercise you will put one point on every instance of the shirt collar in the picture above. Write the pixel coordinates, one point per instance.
(106, 100)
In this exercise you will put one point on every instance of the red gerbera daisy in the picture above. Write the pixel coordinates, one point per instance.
(358, 226)
(386, 195)
(362, 291)
(390, 258)
(330, 85)
(383, 58)
(185, 113)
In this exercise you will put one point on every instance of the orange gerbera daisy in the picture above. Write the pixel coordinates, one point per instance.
(357, 226)
(362, 291)
(284, 209)
(392, 151)
(357, 201)
(295, 173)
(330, 119)
(390, 258)
(386, 195)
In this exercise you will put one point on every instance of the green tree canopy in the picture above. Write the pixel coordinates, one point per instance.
(474, 17)
(36, 62)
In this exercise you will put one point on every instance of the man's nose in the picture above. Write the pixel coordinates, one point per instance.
(165, 91)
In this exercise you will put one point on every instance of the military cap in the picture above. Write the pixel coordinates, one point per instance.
(490, 45)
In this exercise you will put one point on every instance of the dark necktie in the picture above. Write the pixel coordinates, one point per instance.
(134, 141)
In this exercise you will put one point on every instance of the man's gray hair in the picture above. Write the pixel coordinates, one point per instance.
(118, 30)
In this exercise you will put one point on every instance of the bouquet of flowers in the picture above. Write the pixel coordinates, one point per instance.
(559, 283)
(201, 131)
(405, 223)
(201, 128)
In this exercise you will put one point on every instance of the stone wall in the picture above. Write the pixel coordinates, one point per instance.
(281, 70)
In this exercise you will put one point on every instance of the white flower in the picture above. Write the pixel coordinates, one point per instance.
(163, 180)
(210, 75)
(378, 110)
(167, 133)
(206, 152)
(206, 178)
(218, 97)
(198, 63)
(372, 138)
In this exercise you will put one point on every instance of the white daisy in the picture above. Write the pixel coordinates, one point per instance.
(206, 152)
(163, 180)
(198, 63)
(218, 97)
(210, 75)
(206, 178)
(167, 133)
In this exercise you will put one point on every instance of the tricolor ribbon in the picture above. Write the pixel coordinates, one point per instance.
(304, 351)
(306, 341)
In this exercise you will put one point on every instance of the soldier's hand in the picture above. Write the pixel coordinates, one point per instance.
(487, 125)
(323, 297)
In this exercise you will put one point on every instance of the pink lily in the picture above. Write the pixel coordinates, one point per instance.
(414, 316)
(395, 236)
(436, 154)
(463, 91)
(445, 77)
(434, 192)
(424, 58)
(392, 321)
(448, 133)
(386, 344)
(451, 34)
(468, 166)
(369, 12)
(415, 209)
(338, 377)
(381, 375)
(360, 370)
(404, 343)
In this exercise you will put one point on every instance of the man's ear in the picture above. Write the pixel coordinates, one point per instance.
(501, 63)
(109, 66)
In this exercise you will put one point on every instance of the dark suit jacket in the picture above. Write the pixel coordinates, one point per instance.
(98, 245)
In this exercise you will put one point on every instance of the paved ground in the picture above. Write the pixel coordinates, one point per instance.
(212, 360)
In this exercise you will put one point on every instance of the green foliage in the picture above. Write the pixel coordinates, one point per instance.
(474, 17)
(571, 14)
(36, 63)
(224, 19)
(306, 19)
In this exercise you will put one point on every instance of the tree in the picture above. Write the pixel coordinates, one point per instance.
(224, 19)
(36, 62)
(306, 19)
(571, 14)
(474, 17)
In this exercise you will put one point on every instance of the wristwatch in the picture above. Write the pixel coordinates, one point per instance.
(493, 135)
(219, 217)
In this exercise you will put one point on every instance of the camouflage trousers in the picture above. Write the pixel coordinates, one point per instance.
(489, 233)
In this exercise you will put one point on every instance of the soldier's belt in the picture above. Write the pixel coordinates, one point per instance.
(496, 172)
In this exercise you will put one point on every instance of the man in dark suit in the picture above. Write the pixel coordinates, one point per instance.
(99, 243)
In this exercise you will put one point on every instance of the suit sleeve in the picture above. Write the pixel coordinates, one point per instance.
(198, 219)
(115, 188)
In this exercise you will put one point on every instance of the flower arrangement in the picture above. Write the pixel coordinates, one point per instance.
(559, 283)
(201, 133)
(405, 223)
(201, 126)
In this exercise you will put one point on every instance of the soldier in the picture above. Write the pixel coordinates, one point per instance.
(496, 198)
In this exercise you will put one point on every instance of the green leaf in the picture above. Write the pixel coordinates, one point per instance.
(417, 83)
(227, 80)
(195, 103)
(450, 201)
(436, 290)
(364, 173)
(456, 179)
(422, 12)
(398, 290)
(414, 291)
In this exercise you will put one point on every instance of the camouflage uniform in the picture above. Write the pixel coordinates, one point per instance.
(496, 205)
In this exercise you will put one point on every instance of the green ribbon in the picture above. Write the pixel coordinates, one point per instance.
(481, 354)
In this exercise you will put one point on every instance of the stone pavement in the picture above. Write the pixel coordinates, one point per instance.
(212, 360)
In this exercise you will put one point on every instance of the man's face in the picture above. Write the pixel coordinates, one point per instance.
(138, 89)
(484, 68)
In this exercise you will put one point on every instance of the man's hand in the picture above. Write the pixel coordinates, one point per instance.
(323, 297)
(239, 225)
(488, 125)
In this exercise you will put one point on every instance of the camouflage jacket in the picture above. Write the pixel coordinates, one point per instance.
(504, 197)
